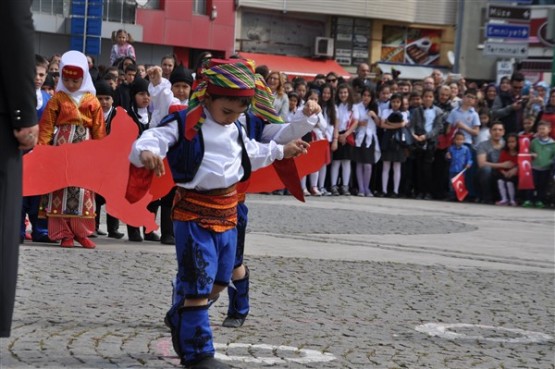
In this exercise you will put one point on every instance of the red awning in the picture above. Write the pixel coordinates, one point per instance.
(297, 66)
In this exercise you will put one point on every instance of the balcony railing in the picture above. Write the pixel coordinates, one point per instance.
(118, 11)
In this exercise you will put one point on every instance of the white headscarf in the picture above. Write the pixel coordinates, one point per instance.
(77, 59)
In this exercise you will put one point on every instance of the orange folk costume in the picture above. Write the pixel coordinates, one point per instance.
(71, 210)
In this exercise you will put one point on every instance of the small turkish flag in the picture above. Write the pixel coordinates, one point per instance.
(459, 186)
(525, 178)
(524, 144)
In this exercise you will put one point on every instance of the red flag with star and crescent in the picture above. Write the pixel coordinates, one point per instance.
(459, 186)
(525, 178)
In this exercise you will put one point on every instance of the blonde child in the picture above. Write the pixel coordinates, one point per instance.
(72, 115)
(122, 46)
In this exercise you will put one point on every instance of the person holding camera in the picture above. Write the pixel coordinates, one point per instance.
(509, 108)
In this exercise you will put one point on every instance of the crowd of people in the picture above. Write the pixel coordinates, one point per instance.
(393, 137)
(388, 136)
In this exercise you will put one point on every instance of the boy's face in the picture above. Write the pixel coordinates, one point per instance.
(40, 76)
(224, 111)
(130, 76)
(415, 101)
(181, 90)
(484, 119)
(543, 131)
(106, 102)
(428, 99)
(459, 140)
(469, 100)
(142, 99)
(72, 85)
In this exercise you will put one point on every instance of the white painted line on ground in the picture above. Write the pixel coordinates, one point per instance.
(443, 330)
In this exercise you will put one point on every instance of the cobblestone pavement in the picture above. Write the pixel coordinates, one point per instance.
(336, 283)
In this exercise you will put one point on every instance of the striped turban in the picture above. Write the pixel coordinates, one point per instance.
(231, 78)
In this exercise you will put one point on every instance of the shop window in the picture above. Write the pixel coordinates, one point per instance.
(48, 6)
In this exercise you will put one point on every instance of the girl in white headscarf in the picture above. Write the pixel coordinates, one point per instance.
(72, 115)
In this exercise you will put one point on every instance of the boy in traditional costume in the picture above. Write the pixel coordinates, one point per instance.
(209, 153)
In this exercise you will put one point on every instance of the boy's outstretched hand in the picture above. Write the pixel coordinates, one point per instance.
(154, 75)
(311, 107)
(153, 162)
(295, 148)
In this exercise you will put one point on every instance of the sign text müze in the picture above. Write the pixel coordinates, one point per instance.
(502, 12)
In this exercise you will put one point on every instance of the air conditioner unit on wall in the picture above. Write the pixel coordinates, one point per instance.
(323, 46)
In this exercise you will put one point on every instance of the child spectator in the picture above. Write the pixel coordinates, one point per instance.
(542, 149)
(300, 86)
(384, 94)
(182, 81)
(426, 123)
(508, 178)
(460, 158)
(367, 148)
(347, 121)
(122, 94)
(318, 133)
(104, 94)
(122, 46)
(49, 86)
(528, 127)
(329, 111)
(39, 230)
(392, 120)
(483, 134)
(72, 115)
(138, 111)
(211, 186)
(293, 98)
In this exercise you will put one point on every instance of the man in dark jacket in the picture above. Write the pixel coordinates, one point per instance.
(508, 108)
(18, 131)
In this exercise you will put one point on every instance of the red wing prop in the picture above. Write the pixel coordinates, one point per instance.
(101, 166)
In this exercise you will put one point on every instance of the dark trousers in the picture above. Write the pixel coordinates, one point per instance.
(10, 215)
(112, 223)
(440, 174)
(423, 162)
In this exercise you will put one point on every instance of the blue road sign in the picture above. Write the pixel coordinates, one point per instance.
(508, 31)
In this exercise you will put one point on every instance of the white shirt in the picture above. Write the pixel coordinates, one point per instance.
(221, 165)
(298, 125)
(344, 116)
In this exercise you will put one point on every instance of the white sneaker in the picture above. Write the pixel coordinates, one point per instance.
(305, 192)
(324, 192)
(314, 191)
